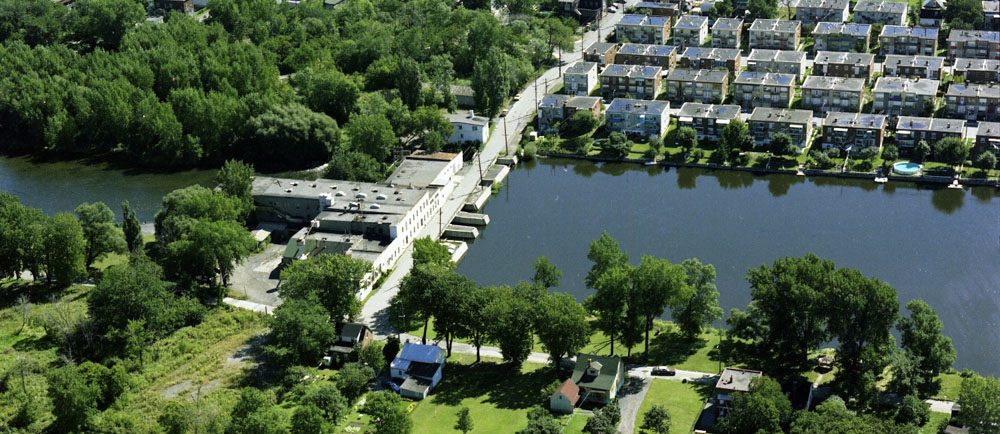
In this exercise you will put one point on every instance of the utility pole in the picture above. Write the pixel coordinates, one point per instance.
(479, 159)
(506, 143)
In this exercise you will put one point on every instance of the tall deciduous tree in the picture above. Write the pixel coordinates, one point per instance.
(491, 77)
(428, 251)
(101, 234)
(702, 307)
(511, 317)
(21, 233)
(606, 254)
(210, 249)
(546, 273)
(301, 332)
(235, 178)
(65, 248)
(334, 279)
(980, 398)
(610, 301)
(763, 409)
(132, 229)
(921, 335)
(657, 285)
(373, 135)
(103, 23)
(561, 326)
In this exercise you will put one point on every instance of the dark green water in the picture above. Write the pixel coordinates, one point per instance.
(941, 245)
(61, 186)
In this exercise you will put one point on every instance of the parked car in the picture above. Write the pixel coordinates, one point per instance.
(663, 371)
(517, 97)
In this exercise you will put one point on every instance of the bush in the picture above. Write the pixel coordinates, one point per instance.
(890, 153)
(833, 152)
(820, 159)
(529, 152)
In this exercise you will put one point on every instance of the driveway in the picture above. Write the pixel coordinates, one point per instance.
(629, 401)
(256, 278)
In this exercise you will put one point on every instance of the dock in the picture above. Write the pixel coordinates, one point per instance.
(495, 175)
(471, 219)
(461, 232)
(508, 161)
(477, 199)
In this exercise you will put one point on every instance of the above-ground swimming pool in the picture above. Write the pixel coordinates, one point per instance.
(906, 168)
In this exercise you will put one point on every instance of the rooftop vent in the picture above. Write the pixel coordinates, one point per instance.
(375, 206)
(288, 190)
(295, 184)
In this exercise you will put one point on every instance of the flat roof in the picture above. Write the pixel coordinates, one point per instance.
(737, 380)
(713, 111)
(583, 102)
(913, 32)
(854, 120)
(853, 29)
(919, 86)
(581, 68)
(973, 35)
(976, 64)
(467, 117)
(845, 58)
(641, 106)
(691, 22)
(974, 90)
(698, 75)
(790, 116)
(834, 83)
(728, 24)
(657, 50)
(759, 55)
(422, 170)
(823, 4)
(989, 129)
(889, 7)
(553, 101)
(644, 20)
(600, 47)
(991, 6)
(721, 54)
(765, 78)
(933, 62)
(619, 70)
(783, 26)
(931, 124)
(656, 5)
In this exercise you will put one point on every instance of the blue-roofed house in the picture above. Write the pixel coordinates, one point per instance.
(763, 89)
(644, 29)
(636, 117)
(843, 37)
(419, 367)
(910, 41)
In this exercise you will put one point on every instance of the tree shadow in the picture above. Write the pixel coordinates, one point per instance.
(671, 347)
(501, 385)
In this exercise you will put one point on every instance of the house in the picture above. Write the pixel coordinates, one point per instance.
(991, 15)
(811, 12)
(660, 9)
(975, 102)
(780, 61)
(637, 81)
(731, 382)
(711, 58)
(643, 29)
(987, 138)
(552, 109)
(880, 12)
(353, 336)
(727, 33)
(844, 37)
(775, 34)
(765, 122)
(601, 52)
(707, 120)
(977, 70)
(468, 128)
(664, 56)
(974, 44)
(913, 130)
(690, 31)
(908, 40)
(565, 398)
(932, 13)
(825, 94)
(182, 6)
(763, 89)
(580, 78)
(636, 117)
(707, 86)
(598, 377)
(855, 130)
(465, 97)
(583, 10)
(419, 367)
(929, 67)
(897, 96)
(848, 65)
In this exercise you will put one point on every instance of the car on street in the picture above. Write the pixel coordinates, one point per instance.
(663, 371)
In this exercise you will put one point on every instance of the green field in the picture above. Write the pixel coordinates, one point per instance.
(682, 400)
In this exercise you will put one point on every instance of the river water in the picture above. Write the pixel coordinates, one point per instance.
(941, 245)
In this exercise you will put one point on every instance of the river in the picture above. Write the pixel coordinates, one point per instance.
(941, 245)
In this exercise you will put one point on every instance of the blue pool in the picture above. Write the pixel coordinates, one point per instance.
(906, 168)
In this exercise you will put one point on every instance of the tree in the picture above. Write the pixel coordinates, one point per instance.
(103, 23)
(657, 284)
(763, 8)
(387, 413)
(100, 233)
(308, 419)
(736, 134)
(913, 411)
(254, 413)
(702, 308)
(371, 355)
(426, 127)
(355, 166)
(606, 254)
(906, 375)
(131, 229)
(64, 249)
(491, 78)
(473, 325)
(511, 315)
(354, 380)
(428, 251)
(561, 326)
(980, 398)
(617, 146)
(610, 301)
(210, 249)
(372, 135)
(418, 292)
(540, 421)
(921, 151)
(235, 178)
(605, 420)
(21, 235)
(656, 420)
(290, 135)
(890, 153)
(763, 409)
(464, 422)
(329, 91)
(964, 14)
(546, 273)
(301, 332)
(951, 150)
(334, 279)
(74, 399)
(391, 348)
(687, 137)
(986, 161)
(329, 401)
(921, 335)
(723, 9)
(582, 122)
(833, 416)
(181, 208)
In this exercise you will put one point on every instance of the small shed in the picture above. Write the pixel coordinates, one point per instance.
(564, 399)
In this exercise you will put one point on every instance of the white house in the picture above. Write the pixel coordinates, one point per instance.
(467, 127)
(419, 367)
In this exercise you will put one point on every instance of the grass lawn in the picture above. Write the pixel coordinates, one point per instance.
(931, 427)
(950, 385)
(682, 400)
(576, 424)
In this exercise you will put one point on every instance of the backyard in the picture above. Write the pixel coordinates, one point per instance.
(684, 401)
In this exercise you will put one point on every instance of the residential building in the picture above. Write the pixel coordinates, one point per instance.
(601, 52)
(707, 120)
(182, 6)
(811, 12)
(908, 40)
(775, 34)
(780, 61)
(974, 44)
(599, 378)
(353, 336)
(932, 13)
(977, 70)
(635, 81)
(900, 96)
(711, 58)
(636, 117)
(880, 12)
(664, 56)
(690, 31)
(643, 29)
(991, 15)
(419, 367)
(468, 128)
(826, 94)
(565, 398)
(708, 86)
(465, 97)
(580, 78)
(727, 33)
(853, 130)
(660, 9)
(975, 102)
(553, 109)
(847, 65)
(929, 67)
(731, 382)
(763, 89)
(583, 10)
(987, 138)
(845, 37)
(765, 122)
(913, 130)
